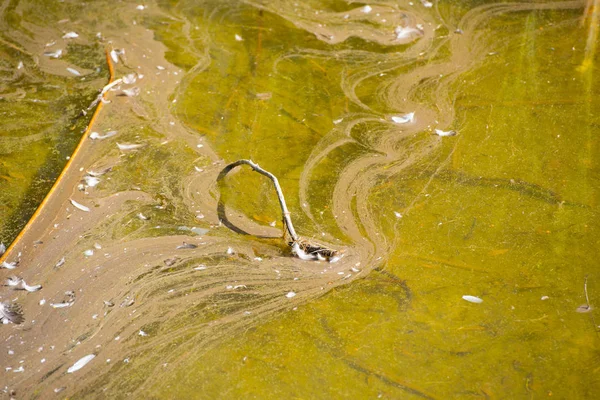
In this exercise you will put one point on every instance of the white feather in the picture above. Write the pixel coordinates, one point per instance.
(79, 206)
(81, 363)
(472, 299)
(442, 133)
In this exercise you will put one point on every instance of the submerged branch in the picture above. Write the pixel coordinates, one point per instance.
(302, 248)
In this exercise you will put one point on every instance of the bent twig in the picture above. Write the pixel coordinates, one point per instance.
(302, 248)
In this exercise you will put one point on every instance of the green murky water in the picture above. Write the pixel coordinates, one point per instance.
(506, 210)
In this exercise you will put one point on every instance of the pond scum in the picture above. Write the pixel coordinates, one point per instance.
(442, 156)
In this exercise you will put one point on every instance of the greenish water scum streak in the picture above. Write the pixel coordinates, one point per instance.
(316, 92)
(40, 103)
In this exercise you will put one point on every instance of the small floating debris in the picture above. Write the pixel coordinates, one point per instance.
(142, 333)
(367, 9)
(88, 253)
(8, 265)
(397, 214)
(289, 295)
(81, 363)
(545, 298)
(264, 96)
(170, 261)
(198, 169)
(127, 146)
(53, 54)
(115, 53)
(200, 268)
(13, 281)
(91, 181)
(407, 32)
(129, 79)
(74, 71)
(404, 119)
(132, 92)
(301, 253)
(230, 251)
(426, 4)
(60, 263)
(2, 248)
(33, 288)
(79, 206)
(142, 217)
(61, 305)
(472, 299)
(584, 308)
(96, 135)
(238, 38)
(442, 133)
(187, 246)
(70, 35)
(140, 7)
(11, 312)
(99, 173)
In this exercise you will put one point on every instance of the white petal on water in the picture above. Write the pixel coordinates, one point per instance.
(60, 263)
(114, 55)
(81, 363)
(131, 92)
(74, 71)
(129, 146)
(88, 253)
(70, 35)
(404, 119)
(472, 299)
(129, 79)
(198, 169)
(96, 135)
(407, 33)
(53, 54)
(79, 206)
(91, 181)
(442, 133)
(61, 305)
(289, 295)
